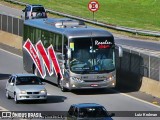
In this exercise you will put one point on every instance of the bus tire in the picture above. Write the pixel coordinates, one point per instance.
(35, 70)
(63, 89)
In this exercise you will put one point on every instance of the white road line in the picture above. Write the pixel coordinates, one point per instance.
(136, 98)
(10, 53)
(113, 90)
(140, 100)
(3, 109)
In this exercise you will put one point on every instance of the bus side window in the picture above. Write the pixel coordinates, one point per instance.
(45, 38)
(56, 48)
(32, 34)
(38, 35)
(65, 47)
(54, 41)
(58, 43)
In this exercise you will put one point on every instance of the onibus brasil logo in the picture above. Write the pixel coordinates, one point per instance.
(43, 58)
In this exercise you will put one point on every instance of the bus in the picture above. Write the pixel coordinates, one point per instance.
(69, 53)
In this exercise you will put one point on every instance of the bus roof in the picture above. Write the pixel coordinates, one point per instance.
(69, 27)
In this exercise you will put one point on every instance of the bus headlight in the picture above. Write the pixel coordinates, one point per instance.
(110, 77)
(76, 79)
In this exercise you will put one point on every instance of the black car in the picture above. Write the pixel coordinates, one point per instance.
(88, 111)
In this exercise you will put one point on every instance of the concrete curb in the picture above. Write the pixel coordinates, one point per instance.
(150, 86)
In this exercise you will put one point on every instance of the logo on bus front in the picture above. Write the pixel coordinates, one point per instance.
(103, 45)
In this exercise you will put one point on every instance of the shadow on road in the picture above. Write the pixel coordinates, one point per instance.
(50, 99)
(130, 71)
(94, 91)
(4, 76)
(55, 99)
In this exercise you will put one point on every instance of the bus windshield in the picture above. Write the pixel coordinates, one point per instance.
(92, 55)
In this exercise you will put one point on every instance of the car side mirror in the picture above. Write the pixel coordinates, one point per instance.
(12, 84)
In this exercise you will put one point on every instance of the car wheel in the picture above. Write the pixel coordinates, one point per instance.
(7, 95)
(15, 98)
(63, 89)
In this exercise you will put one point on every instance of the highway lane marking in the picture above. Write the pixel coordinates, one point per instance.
(3, 109)
(136, 98)
(140, 100)
(11, 53)
(112, 89)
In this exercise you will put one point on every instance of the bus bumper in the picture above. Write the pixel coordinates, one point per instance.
(91, 85)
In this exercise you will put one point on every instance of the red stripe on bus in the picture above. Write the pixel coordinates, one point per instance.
(44, 55)
(54, 60)
(32, 51)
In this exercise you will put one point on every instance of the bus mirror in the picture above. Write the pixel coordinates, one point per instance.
(69, 53)
(120, 51)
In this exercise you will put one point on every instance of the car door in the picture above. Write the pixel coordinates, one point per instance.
(12, 86)
(8, 85)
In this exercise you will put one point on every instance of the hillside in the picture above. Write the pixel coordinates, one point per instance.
(143, 14)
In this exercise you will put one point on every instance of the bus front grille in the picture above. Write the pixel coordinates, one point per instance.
(93, 80)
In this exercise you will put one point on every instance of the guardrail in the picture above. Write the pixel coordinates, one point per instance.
(11, 24)
(120, 28)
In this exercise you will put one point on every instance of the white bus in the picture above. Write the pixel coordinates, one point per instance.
(69, 53)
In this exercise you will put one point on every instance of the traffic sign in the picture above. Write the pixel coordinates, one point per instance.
(93, 6)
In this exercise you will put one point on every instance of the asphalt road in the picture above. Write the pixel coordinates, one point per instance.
(122, 40)
(59, 101)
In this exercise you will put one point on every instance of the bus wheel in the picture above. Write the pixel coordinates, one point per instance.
(63, 89)
(35, 71)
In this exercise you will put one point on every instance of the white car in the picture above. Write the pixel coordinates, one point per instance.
(34, 12)
(25, 87)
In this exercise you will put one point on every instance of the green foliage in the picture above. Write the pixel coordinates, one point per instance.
(143, 14)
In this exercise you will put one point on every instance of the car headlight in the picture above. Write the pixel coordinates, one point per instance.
(43, 91)
(76, 79)
(23, 92)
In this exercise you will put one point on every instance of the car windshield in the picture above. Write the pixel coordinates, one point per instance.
(28, 81)
(93, 112)
(92, 55)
